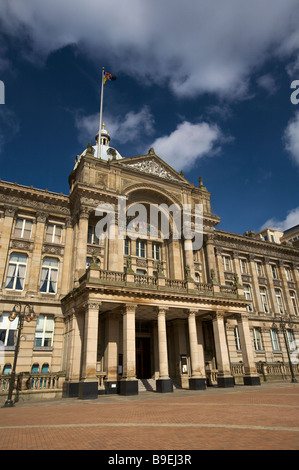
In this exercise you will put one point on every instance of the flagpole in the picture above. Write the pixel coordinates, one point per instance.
(101, 112)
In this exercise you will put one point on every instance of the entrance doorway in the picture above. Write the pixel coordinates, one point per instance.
(143, 358)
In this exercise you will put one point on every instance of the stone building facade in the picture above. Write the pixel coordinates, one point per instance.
(112, 312)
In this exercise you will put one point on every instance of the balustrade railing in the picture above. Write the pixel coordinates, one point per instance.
(29, 381)
(144, 280)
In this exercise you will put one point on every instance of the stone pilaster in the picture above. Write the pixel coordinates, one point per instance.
(251, 376)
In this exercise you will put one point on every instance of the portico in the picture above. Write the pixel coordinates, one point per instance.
(128, 334)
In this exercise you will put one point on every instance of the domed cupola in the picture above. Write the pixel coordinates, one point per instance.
(103, 151)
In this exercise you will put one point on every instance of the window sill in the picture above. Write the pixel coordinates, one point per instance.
(43, 348)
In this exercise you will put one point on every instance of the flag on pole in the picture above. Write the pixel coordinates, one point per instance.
(108, 76)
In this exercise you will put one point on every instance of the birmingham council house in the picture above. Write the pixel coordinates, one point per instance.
(124, 314)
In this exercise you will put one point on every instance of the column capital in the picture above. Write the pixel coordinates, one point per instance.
(162, 310)
(218, 315)
(128, 308)
(84, 212)
(90, 305)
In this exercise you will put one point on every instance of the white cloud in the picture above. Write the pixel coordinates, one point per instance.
(267, 82)
(189, 142)
(291, 138)
(129, 128)
(291, 220)
(194, 47)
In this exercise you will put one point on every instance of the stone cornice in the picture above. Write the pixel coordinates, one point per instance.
(39, 200)
(261, 248)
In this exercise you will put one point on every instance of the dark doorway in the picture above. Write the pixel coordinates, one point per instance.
(143, 358)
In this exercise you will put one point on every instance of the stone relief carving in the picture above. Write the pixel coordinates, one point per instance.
(151, 167)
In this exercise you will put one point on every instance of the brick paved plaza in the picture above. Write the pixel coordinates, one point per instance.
(265, 417)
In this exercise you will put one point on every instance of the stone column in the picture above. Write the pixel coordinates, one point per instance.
(73, 355)
(164, 383)
(115, 249)
(197, 381)
(212, 272)
(129, 384)
(251, 376)
(88, 386)
(81, 249)
(224, 376)
(67, 258)
(111, 353)
(189, 257)
(255, 291)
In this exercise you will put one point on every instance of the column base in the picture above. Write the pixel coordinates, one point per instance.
(128, 387)
(111, 387)
(164, 386)
(251, 380)
(197, 383)
(225, 382)
(88, 390)
(70, 389)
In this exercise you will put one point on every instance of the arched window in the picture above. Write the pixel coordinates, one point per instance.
(35, 368)
(45, 368)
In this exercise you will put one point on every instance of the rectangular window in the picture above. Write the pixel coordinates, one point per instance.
(237, 338)
(273, 271)
(257, 339)
(279, 301)
(226, 263)
(23, 228)
(156, 251)
(53, 233)
(49, 276)
(16, 271)
(44, 331)
(140, 249)
(243, 266)
(8, 330)
(126, 246)
(291, 340)
(274, 340)
(294, 302)
(288, 274)
(259, 268)
(264, 299)
(91, 236)
(247, 293)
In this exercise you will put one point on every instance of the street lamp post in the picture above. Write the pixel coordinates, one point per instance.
(282, 323)
(28, 315)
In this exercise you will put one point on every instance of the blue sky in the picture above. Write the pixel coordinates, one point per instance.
(206, 83)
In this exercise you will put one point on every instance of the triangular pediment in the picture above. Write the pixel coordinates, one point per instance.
(152, 165)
